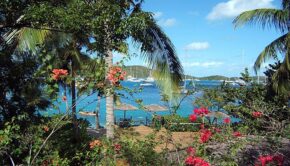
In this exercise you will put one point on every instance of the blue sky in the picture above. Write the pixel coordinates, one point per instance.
(205, 38)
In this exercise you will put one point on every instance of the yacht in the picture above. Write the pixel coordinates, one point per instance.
(133, 79)
(146, 84)
(149, 79)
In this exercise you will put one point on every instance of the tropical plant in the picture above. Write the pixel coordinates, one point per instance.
(109, 24)
(156, 47)
(280, 20)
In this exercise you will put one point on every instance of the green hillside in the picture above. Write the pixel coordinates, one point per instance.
(137, 71)
(143, 72)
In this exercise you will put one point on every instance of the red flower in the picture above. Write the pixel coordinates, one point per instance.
(195, 161)
(201, 111)
(205, 135)
(196, 111)
(204, 110)
(227, 120)
(58, 73)
(190, 151)
(64, 99)
(265, 159)
(117, 147)
(95, 143)
(192, 117)
(279, 159)
(46, 128)
(237, 134)
(257, 114)
(115, 75)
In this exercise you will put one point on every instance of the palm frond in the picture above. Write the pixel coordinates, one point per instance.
(286, 4)
(159, 53)
(281, 80)
(27, 39)
(265, 17)
(271, 51)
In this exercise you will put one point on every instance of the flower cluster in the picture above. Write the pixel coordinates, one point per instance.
(95, 143)
(264, 160)
(195, 161)
(58, 73)
(198, 112)
(227, 120)
(117, 148)
(237, 134)
(115, 75)
(201, 111)
(192, 160)
(205, 135)
(46, 128)
(257, 114)
(64, 99)
(191, 151)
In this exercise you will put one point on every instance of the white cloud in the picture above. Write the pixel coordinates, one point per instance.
(167, 22)
(157, 15)
(197, 46)
(232, 8)
(202, 64)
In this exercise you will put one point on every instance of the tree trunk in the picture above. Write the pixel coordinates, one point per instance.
(98, 111)
(109, 99)
(73, 98)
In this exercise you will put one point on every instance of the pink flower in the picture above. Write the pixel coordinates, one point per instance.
(227, 120)
(117, 147)
(192, 117)
(257, 114)
(195, 161)
(196, 111)
(58, 73)
(190, 151)
(64, 99)
(201, 111)
(237, 134)
(264, 160)
(115, 75)
(205, 135)
(279, 158)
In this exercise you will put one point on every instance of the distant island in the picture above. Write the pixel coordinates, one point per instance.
(138, 71)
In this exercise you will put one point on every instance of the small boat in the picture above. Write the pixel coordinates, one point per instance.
(149, 79)
(146, 84)
(241, 82)
(133, 79)
(86, 113)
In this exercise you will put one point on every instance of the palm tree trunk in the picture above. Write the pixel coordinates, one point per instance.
(98, 111)
(109, 100)
(73, 98)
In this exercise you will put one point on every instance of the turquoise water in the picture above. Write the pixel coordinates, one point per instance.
(149, 95)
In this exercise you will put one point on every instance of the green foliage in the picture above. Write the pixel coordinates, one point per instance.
(241, 102)
(141, 152)
(279, 19)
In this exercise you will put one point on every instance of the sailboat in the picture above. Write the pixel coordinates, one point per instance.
(149, 81)
(132, 78)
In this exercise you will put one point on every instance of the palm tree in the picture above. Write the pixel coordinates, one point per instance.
(157, 50)
(111, 23)
(280, 20)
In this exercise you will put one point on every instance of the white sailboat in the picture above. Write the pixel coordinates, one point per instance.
(149, 81)
(132, 78)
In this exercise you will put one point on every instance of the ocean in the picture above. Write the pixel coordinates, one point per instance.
(149, 95)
